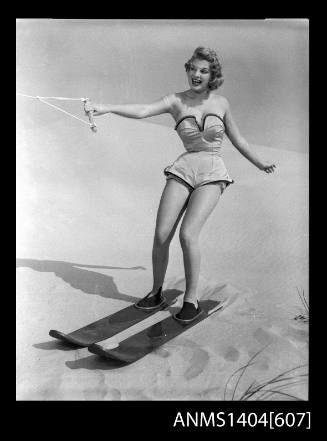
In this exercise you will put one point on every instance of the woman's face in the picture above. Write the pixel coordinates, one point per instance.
(199, 75)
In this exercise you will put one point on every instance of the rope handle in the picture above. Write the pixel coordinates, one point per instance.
(93, 126)
(91, 122)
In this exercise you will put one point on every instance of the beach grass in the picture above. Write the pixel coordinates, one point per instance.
(277, 387)
(304, 316)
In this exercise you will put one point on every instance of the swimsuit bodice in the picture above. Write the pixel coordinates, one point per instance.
(207, 136)
(202, 163)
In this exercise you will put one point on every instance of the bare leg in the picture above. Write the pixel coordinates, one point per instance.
(201, 204)
(172, 205)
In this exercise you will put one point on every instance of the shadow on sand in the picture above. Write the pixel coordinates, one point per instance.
(55, 345)
(87, 281)
(93, 362)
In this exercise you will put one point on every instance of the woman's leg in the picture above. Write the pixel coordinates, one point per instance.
(172, 205)
(201, 204)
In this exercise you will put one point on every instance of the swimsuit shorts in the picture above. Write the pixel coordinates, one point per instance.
(194, 169)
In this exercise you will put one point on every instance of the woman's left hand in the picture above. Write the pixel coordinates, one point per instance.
(267, 166)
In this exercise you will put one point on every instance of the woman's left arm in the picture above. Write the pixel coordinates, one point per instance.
(241, 143)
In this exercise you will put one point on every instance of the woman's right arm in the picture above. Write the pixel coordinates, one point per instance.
(137, 111)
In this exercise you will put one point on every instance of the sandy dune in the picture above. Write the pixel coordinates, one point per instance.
(85, 220)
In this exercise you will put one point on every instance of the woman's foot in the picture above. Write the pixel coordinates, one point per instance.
(151, 301)
(188, 313)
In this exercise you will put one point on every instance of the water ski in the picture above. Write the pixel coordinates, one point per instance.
(151, 338)
(113, 324)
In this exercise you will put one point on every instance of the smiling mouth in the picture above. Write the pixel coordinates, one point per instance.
(196, 82)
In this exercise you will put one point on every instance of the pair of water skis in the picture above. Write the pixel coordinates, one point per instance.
(98, 336)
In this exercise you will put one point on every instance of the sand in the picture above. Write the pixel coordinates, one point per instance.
(86, 206)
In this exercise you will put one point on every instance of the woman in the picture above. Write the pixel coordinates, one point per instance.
(198, 177)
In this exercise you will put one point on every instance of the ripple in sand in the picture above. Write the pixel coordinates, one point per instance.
(252, 313)
(263, 336)
(298, 332)
(187, 360)
(161, 352)
(114, 394)
(264, 366)
(137, 395)
(197, 364)
(231, 354)
(211, 394)
(98, 391)
(301, 335)
(50, 390)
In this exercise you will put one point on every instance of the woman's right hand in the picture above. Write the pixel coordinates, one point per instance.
(97, 109)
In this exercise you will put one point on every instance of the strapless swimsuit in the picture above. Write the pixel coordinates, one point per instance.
(201, 164)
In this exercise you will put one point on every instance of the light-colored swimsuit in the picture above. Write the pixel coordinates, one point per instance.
(201, 164)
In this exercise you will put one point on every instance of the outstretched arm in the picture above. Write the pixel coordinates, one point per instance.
(242, 145)
(137, 111)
